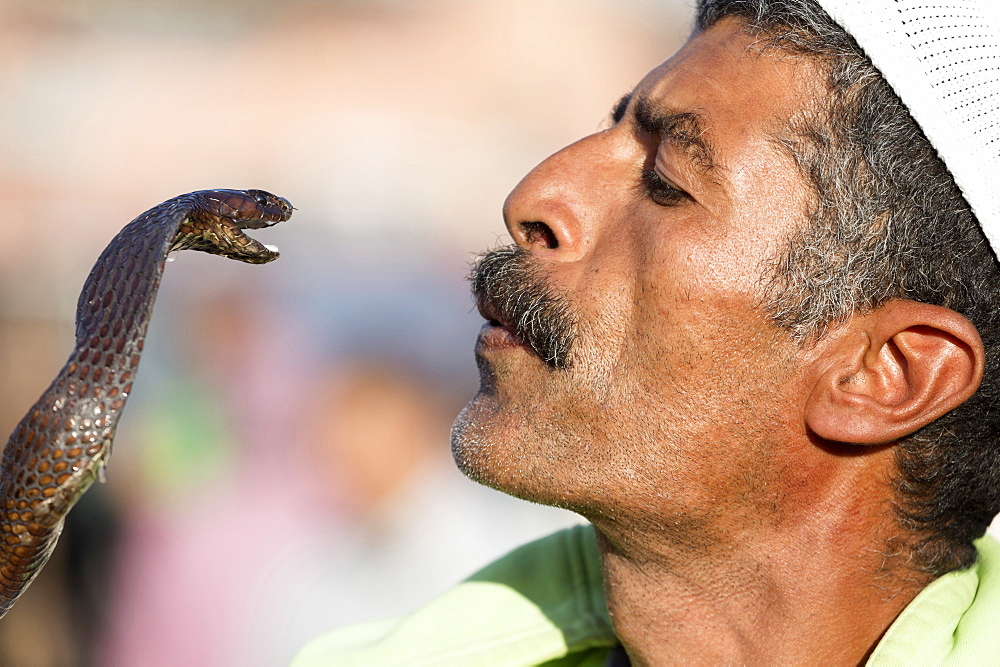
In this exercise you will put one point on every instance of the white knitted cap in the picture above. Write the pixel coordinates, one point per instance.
(942, 57)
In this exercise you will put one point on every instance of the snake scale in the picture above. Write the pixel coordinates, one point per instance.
(62, 444)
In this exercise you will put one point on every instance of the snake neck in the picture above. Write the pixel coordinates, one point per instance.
(61, 445)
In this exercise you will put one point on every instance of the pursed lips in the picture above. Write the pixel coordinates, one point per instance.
(497, 332)
(489, 314)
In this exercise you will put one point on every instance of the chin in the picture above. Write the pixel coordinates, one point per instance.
(476, 438)
(512, 451)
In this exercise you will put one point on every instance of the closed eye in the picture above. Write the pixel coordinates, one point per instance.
(660, 191)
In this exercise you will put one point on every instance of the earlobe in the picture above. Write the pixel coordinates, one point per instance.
(893, 371)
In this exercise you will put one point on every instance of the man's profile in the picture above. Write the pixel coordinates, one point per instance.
(750, 331)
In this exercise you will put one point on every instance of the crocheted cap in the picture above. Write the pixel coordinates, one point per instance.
(942, 57)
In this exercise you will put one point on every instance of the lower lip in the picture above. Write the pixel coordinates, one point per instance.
(495, 337)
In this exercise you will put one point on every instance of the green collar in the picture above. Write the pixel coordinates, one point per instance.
(544, 604)
(954, 621)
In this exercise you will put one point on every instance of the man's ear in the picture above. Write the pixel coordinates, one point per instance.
(886, 374)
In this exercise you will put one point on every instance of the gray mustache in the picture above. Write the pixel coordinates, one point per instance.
(507, 283)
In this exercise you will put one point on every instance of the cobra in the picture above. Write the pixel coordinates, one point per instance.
(63, 443)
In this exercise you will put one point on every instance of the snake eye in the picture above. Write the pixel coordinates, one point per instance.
(260, 198)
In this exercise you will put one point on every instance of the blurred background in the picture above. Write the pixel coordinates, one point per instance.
(283, 466)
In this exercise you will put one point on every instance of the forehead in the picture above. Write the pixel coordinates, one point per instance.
(743, 93)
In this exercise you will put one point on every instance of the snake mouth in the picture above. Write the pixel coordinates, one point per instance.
(256, 224)
(235, 244)
(225, 237)
(259, 253)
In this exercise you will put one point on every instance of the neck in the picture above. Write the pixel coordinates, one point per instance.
(815, 586)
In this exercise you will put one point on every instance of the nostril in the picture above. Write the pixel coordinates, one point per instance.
(539, 233)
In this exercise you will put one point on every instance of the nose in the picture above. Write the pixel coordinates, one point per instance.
(555, 210)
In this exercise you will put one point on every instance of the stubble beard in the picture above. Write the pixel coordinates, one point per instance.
(537, 427)
(490, 436)
(611, 424)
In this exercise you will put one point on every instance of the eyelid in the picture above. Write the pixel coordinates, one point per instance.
(662, 191)
(661, 173)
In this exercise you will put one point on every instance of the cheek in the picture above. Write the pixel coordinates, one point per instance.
(692, 339)
(667, 311)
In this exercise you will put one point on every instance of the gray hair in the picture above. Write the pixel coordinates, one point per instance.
(887, 222)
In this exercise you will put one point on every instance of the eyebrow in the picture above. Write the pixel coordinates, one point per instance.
(686, 129)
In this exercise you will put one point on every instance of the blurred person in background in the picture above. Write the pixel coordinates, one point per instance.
(743, 332)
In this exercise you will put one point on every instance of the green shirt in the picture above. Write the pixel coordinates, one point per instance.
(544, 604)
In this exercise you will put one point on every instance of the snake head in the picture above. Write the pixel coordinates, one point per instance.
(217, 218)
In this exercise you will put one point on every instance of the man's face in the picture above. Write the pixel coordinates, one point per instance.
(651, 238)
